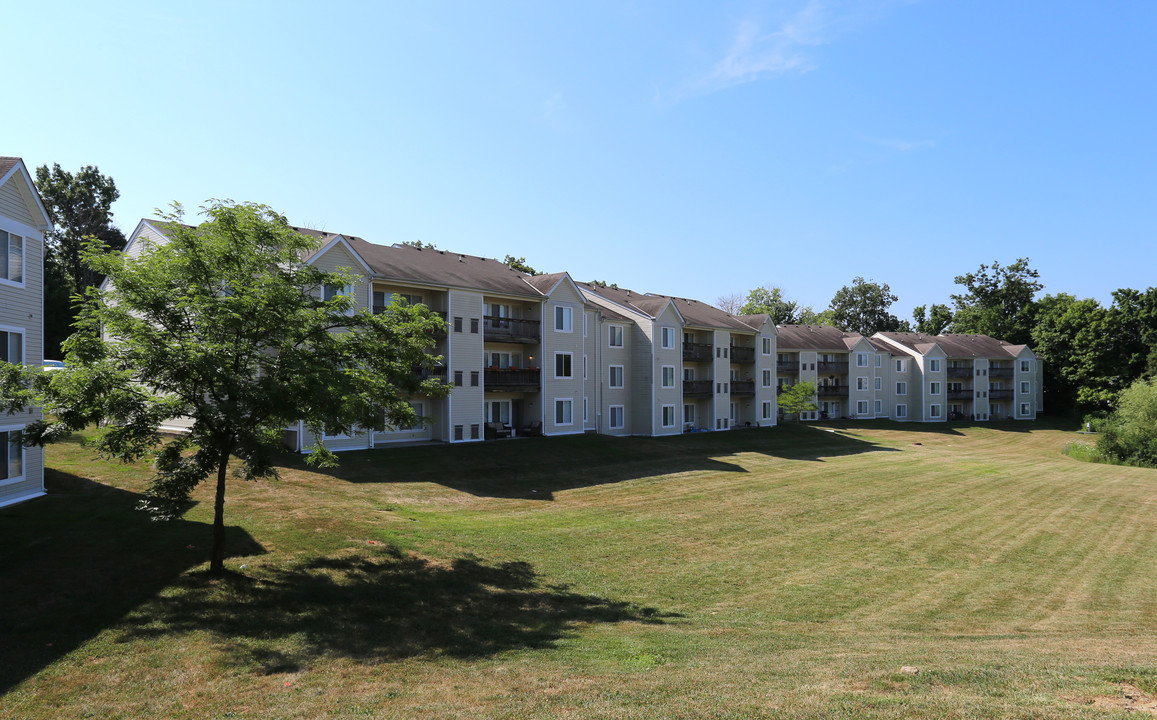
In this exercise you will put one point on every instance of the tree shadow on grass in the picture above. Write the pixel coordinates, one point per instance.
(377, 606)
(537, 468)
(78, 560)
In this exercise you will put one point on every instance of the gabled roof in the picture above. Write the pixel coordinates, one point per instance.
(443, 268)
(700, 314)
(11, 166)
(816, 337)
(7, 163)
(651, 306)
(956, 346)
(884, 346)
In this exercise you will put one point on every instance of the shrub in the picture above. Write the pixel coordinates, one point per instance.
(1130, 433)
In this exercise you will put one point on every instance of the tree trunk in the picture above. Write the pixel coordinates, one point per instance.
(217, 559)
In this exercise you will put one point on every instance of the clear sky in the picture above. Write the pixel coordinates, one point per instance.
(688, 148)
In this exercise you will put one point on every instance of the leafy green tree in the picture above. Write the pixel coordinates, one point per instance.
(1133, 330)
(1072, 336)
(224, 325)
(520, 264)
(862, 307)
(80, 206)
(771, 300)
(931, 321)
(1130, 433)
(798, 398)
(419, 244)
(999, 302)
(808, 316)
(1151, 364)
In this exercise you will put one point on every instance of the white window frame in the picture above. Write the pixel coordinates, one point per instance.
(667, 337)
(767, 378)
(767, 411)
(611, 336)
(586, 412)
(688, 417)
(584, 324)
(570, 362)
(934, 365)
(901, 365)
(6, 458)
(5, 248)
(901, 411)
(611, 377)
(1025, 409)
(766, 346)
(861, 407)
(491, 404)
(934, 388)
(563, 319)
(584, 367)
(879, 385)
(622, 417)
(879, 407)
(862, 382)
(861, 359)
(663, 376)
(663, 416)
(879, 360)
(934, 410)
(559, 404)
(23, 333)
(1025, 387)
(901, 388)
(1026, 365)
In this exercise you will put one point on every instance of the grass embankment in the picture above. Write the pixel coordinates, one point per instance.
(788, 572)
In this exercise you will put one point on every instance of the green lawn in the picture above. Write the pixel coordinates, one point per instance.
(787, 572)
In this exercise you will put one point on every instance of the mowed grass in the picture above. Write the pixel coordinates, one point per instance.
(786, 572)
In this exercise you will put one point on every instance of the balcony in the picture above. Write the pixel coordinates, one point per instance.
(960, 372)
(787, 366)
(833, 390)
(960, 394)
(512, 379)
(511, 330)
(438, 372)
(832, 368)
(742, 355)
(697, 352)
(742, 387)
(1000, 372)
(1000, 394)
(379, 309)
(697, 388)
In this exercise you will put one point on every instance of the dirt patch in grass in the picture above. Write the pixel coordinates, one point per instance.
(1131, 699)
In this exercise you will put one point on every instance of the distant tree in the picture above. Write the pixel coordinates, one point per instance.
(998, 302)
(224, 324)
(1072, 337)
(80, 206)
(862, 307)
(808, 316)
(520, 264)
(931, 322)
(798, 398)
(730, 303)
(1133, 331)
(1130, 433)
(1151, 364)
(770, 300)
(603, 284)
(419, 244)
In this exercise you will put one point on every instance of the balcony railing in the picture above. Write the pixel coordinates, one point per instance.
(744, 355)
(1000, 394)
(742, 387)
(512, 380)
(787, 366)
(832, 368)
(697, 388)
(1000, 372)
(512, 330)
(697, 352)
(960, 394)
(959, 372)
(431, 372)
(832, 390)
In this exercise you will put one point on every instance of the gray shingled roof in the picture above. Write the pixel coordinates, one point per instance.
(756, 321)
(815, 337)
(648, 305)
(957, 346)
(442, 267)
(700, 314)
(544, 283)
(7, 163)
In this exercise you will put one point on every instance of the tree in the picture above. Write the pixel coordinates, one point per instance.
(807, 316)
(1130, 433)
(520, 264)
(798, 398)
(931, 322)
(419, 244)
(1073, 338)
(998, 302)
(863, 306)
(223, 325)
(79, 206)
(1133, 331)
(730, 303)
(770, 300)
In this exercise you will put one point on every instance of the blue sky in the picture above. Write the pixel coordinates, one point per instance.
(687, 148)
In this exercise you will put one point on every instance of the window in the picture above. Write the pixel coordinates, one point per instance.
(861, 407)
(1024, 387)
(734, 413)
(934, 365)
(934, 411)
(934, 388)
(562, 412)
(879, 383)
(1025, 365)
(584, 325)
(688, 414)
(457, 324)
(474, 431)
(585, 413)
(615, 338)
(668, 338)
(12, 257)
(767, 411)
(498, 411)
(474, 325)
(563, 319)
(901, 411)
(562, 365)
(411, 299)
(767, 378)
(688, 373)
(11, 455)
(725, 352)
(615, 376)
(767, 346)
(668, 376)
(734, 374)
(12, 346)
(616, 417)
(584, 365)
(718, 352)
(458, 432)
(1024, 408)
(901, 388)
(861, 383)
(458, 378)
(329, 292)
(668, 416)
(503, 360)
(861, 359)
(879, 406)
(901, 366)
(879, 361)
(473, 378)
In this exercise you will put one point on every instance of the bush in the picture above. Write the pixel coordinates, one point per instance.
(1130, 433)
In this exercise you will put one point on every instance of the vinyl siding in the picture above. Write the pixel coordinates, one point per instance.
(465, 352)
(553, 342)
(674, 357)
(12, 202)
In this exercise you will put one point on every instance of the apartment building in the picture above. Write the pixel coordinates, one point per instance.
(841, 365)
(23, 222)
